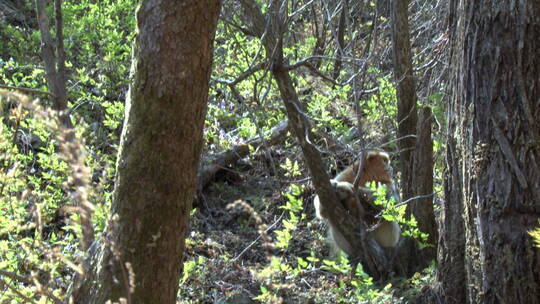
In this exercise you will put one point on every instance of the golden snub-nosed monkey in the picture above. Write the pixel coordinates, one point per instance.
(376, 169)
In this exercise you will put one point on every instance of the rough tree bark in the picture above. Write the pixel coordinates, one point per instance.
(492, 184)
(140, 258)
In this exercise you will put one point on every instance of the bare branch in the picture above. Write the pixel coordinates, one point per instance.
(242, 29)
(414, 198)
(244, 75)
(300, 9)
(258, 238)
(207, 171)
(362, 162)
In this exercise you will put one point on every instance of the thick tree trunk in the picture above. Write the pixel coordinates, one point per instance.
(141, 257)
(493, 183)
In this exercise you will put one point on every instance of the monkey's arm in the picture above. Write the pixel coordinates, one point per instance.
(348, 174)
(344, 191)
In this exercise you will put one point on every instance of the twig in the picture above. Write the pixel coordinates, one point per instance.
(258, 238)
(412, 199)
(244, 75)
(244, 30)
(305, 63)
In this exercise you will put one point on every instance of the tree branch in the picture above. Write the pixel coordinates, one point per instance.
(244, 75)
(354, 230)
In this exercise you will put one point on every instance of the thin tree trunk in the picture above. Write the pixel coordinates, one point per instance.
(320, 34)
(406, 93)
(54, 57)
(422, 208)
(140, 258)
(493, 158)
(416, 165)
(340, 39)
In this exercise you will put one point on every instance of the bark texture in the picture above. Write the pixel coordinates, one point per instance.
(140, 258)
(493, 156)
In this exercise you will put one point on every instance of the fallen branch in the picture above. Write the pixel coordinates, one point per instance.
(26, 90)
(208, 171)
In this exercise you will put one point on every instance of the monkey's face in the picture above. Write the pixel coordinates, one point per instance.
(377, 168)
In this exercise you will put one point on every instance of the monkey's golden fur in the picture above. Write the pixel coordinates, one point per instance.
(376, 169)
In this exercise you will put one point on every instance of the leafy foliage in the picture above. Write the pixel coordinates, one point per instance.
(536, 235)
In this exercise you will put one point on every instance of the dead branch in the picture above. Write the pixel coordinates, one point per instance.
(15, 277)
(208, 171)
(18, 293)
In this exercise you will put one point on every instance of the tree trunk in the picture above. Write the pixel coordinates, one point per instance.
(406, 93)
(493, 157)
(54, 57)
(416, 151)
(340, 39)
(422, 208)
(140, 258)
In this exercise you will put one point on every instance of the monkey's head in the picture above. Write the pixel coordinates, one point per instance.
(376, 168)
